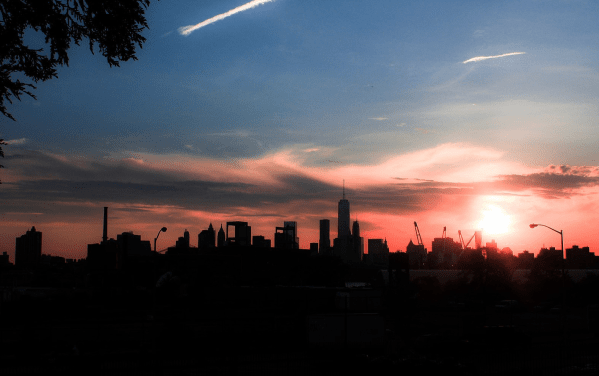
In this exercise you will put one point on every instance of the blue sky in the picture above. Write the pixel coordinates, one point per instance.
(336, 87)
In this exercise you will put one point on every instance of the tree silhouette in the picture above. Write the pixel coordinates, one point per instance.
(2, 152)
(114, 26)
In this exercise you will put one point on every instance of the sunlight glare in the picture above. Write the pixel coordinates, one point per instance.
(494, 221)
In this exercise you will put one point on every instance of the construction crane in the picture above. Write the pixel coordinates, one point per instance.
(470, 240)
(418, 237)
(461, 239)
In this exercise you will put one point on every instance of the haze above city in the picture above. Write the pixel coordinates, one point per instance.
(467, 115)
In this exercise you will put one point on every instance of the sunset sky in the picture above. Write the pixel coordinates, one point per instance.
(471, 114)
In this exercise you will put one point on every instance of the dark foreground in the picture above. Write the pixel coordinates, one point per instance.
(275, 330)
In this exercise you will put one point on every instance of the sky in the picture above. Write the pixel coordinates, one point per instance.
(468, 115)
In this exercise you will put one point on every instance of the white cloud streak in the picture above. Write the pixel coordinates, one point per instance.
(186, 30)
(481, 58)
(19, 141)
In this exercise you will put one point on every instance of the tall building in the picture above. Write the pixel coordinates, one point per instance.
(357, 244)
(183, 242)
(206, 238)
(241, 234)
(291, 229)
(286, 236)
(343, 218)
(221, 238)
(325, 237)
(28, 251)
(342, 242)
(416, 255)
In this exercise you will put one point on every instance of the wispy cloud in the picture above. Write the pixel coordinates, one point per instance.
(19, 141)
(481, 58)
(378, 118)
(186, 30)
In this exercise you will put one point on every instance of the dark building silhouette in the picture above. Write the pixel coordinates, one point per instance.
(399, 269)
(341, 244)
(131, 246)
(492, 245)
(4, 260)
(525, 260)
(343, 217)
(378, 252)
(105, 230)
(444, 253)
(549, 258)
(241, 234)
(260, 241)
(221, 238)
(182, 246)
(325, 236)
(207, 238)
(291, 229)
(416, 255)
(183, 242)
(357, 244)
(103, 256)
(579, 258)
(28, 251)
(313, 249)
(286, 236)
(52, 261)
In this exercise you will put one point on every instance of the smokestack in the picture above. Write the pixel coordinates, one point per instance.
(105, 233)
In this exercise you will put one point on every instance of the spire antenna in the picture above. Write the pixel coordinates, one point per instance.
(344, 189)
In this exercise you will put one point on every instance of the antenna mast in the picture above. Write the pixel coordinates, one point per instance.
(344, 189)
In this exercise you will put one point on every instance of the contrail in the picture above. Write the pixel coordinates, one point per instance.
(480, 58)
(186, 30)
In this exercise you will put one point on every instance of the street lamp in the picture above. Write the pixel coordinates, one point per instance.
(156, 238)
(561, 232)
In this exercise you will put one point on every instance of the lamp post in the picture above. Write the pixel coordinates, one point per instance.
(156, 238)
(561, 232)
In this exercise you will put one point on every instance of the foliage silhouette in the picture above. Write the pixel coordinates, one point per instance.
(114, 26)
(2, 152)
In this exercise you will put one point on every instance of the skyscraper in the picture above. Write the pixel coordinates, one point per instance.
(286, 236)
(342, 243)
(357, 243)
(220, 242)
(343, 217)
(291, 230)
(206, 238)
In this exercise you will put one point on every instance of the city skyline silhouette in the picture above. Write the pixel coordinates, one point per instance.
(291, 187)
(237, 122)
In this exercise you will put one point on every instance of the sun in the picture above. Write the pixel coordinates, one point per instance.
(494, 221)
